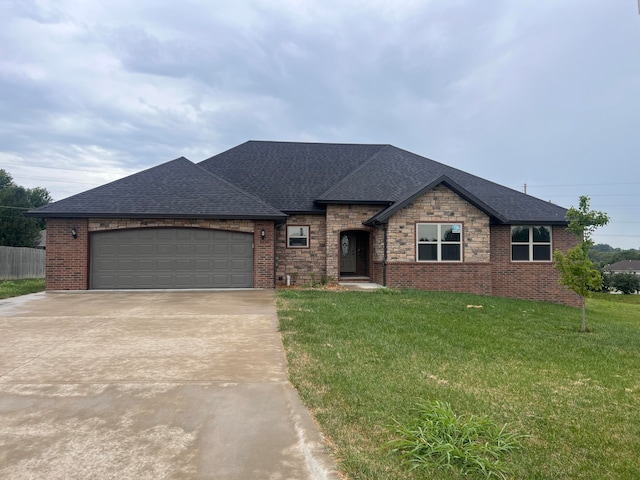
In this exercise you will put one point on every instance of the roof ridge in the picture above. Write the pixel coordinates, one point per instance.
(355, 171)
(236, 187)
(321, 143)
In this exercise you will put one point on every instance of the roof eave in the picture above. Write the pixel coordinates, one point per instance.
(353, 202)
(155, 215)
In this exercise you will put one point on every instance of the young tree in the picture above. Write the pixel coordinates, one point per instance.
(17, 230)
(576, 269)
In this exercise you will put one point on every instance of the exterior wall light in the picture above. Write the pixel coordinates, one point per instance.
(263, 234)
(74, 232)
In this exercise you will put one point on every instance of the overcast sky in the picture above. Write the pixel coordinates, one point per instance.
(542, 92)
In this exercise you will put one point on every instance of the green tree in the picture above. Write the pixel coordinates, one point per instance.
(577, 272)
(627, 283)
(16, 229)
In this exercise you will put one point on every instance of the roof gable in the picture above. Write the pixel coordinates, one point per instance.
(385, 214)
(394, 175)
(178, 188)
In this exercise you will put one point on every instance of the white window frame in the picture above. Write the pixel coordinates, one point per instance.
(298, 232)
(531, 243)
(439, 242)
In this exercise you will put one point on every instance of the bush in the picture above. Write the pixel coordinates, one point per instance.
(627, 283)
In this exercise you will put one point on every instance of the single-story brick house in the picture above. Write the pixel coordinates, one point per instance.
(263, 212)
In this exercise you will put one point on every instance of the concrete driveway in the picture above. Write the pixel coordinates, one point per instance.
(150, 385)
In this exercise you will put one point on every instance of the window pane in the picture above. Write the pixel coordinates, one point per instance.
(427, 232)
(451, 233)
(520, 252)
(519, 234)
(297, 242)
(427, 252)
(541, 234)
(451, 252)
(542, 252)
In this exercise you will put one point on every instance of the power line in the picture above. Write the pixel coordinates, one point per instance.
(53, 168)
(584, 185)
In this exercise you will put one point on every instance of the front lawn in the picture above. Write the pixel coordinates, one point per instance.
(15, 288)
(362, 361)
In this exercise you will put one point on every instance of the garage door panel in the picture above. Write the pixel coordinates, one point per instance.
(171, 258)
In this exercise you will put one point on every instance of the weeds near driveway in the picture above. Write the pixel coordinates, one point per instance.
(15, 288)
(362, 361)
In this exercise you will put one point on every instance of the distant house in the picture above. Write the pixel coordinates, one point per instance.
(264, 212)
(624, 266)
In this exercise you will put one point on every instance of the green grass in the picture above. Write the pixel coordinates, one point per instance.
(632, 299)
(15, 288)
(362, 361)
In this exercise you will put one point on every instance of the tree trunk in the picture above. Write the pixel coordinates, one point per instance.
(584, 315)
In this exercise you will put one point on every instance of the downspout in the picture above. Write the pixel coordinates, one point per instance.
(275, 259)
(384, 257)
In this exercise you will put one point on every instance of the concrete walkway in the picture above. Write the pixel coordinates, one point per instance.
(150, 385)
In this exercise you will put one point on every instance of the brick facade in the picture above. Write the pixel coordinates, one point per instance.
(443, 206)
(529, 280)
(300, 263)
(67, 259)
(486, 268)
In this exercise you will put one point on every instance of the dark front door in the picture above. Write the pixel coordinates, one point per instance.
(347, 253)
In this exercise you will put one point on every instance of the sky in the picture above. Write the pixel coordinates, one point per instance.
(535, 92)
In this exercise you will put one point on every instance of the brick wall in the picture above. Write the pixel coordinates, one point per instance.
(438, 276)
(529, 280)
(444, 206)
(68, 259)
(300, 262)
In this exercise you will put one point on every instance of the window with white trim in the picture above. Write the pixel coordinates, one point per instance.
(439, 242)
(297, 236)
(530, 243)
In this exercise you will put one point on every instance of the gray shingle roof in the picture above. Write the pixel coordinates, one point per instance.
(303, 176)
(291, 177)
(179, 189)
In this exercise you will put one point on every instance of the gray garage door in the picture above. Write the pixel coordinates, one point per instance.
(171, 258)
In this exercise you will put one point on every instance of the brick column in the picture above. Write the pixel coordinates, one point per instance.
(67, 258)
(264, 255)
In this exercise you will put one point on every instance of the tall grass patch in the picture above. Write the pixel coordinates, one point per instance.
(363, 360)
(15, 288)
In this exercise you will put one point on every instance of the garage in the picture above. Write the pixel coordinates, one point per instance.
(171, 258)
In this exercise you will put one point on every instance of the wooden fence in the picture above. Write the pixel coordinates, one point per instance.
(21, 262)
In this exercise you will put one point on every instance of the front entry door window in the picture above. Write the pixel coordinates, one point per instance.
(347, 253)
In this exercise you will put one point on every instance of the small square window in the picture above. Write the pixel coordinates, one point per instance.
(297, 236)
